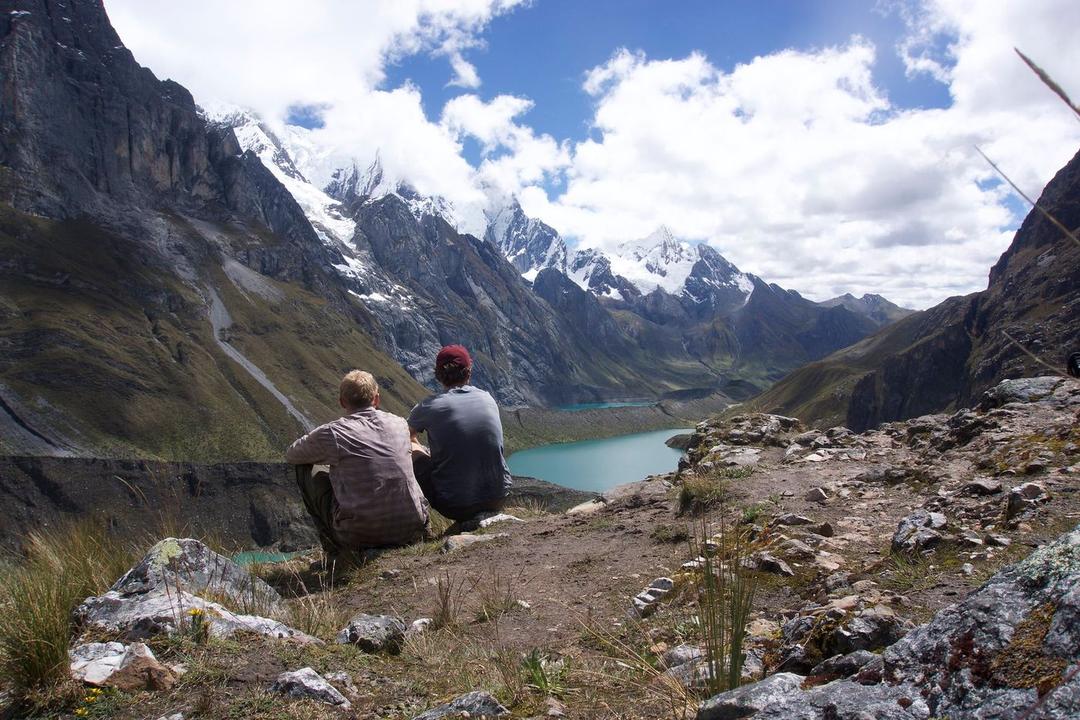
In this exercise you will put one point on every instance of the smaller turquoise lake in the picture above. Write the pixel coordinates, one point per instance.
(596, 465)
(604, 405)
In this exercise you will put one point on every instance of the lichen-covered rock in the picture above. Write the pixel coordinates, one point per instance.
(142, 616)
(374, 633)
(185, 564)
(473, 705)
(306, 684)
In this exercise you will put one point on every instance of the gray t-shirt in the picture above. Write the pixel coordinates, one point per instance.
(466, 440)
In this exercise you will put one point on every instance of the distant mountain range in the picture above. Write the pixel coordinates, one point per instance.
(187, 283)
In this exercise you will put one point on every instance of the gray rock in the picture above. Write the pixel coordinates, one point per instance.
(791, 519)
(825, 529)
(373, 633)
(142, 616)
(751, 699)
(476, 704)
(817, 495)
(187, 564)
(1021, 390)
(458, 542)
(767, 562)
(918, 532)
(945, 668)
(682, 654)
(844, 665)
(981, 487)
(306, 684)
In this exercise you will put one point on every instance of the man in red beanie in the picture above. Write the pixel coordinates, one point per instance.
(466, 473)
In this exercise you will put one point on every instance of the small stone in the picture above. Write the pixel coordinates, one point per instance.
(464, 540)
(767, 562)
(792, 519)
(306, 684)
(982, 487)
(471, 705)
(499, 518)
(682, 654)
(967, 569)
(817, 495)
(131, 667)
(373, 633)
(418, 627)
(825, 529)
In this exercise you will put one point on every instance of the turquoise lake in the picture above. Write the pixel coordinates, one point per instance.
(597, 465)
(604, 405)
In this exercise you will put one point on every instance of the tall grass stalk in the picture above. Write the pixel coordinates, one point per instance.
(63, 566)
(725, 599)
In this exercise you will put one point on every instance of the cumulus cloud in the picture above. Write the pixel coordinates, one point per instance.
(797, 167)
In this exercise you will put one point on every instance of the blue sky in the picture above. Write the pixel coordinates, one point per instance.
(820, 144)
(542, 50)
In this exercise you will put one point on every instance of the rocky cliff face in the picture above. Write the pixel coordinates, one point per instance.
(945, 357)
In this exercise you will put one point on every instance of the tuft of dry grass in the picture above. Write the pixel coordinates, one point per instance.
(63, 566)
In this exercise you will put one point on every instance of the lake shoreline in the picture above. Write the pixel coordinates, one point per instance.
(526, 428)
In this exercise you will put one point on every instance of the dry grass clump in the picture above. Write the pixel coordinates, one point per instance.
(63, 566)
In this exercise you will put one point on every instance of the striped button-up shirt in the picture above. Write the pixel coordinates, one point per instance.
(376, 498)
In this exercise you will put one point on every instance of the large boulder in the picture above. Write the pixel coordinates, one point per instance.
(163, 594)
(1008, 651)
(139, 617)
(1022, 390)
(186, 564)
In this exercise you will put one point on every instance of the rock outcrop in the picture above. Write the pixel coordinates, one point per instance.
(1010, 650)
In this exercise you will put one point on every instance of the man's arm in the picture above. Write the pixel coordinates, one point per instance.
(318, 447)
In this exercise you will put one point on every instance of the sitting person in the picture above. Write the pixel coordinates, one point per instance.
(370, 497)
(465, 473)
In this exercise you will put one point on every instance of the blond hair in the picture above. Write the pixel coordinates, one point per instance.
(359, 389)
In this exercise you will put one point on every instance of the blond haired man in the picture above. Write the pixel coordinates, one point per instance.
(370, 497)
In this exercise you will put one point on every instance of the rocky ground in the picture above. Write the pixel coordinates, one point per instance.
(877, 560)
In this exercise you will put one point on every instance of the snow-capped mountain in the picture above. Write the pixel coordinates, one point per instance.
(320, 180)
(696, 274)
(529, 244)
(875, 307)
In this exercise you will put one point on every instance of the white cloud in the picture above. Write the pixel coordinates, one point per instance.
(797, 167)
(272, 54)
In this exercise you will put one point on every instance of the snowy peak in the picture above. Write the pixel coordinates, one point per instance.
(323, 212)
(529, 244)
(351, 185)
